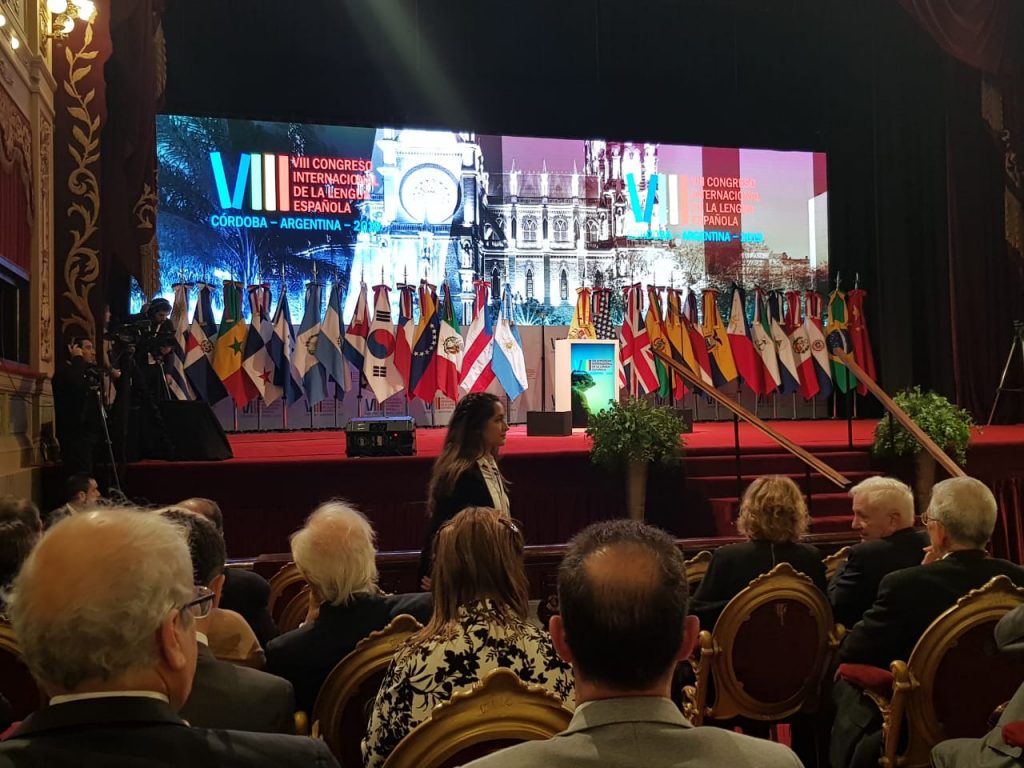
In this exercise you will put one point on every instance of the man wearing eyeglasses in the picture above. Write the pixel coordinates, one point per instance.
(105, 612)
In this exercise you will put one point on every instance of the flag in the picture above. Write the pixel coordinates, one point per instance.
(227, 352)
(477, 372)
(507, 360)
(312, 373)
(603, 328)
(858, 330)
(748, 363)
(838, 338)
(379, 362)
(801, 343)
(723, 367)
(679, 343)
(256, 362)
(423, 370)
(199, 351)
(328, 345)
(281, 347)
(179, 319)
(789, 375)
(819, 349)
(656, 335)
(404, 335)
(636, 372)
(761, 335)
(450, 347)
(354, 345)
(581, 326)
(697, 342)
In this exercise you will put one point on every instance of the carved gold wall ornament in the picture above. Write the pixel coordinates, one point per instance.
(16, 144)
(45, 228)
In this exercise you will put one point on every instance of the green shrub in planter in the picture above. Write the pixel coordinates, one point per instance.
(948, 425)
(635, 431)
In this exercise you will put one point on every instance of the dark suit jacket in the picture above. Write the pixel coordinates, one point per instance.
(470, 490)
(306, 655)
(133, 732)
(854, 587)
(911, 599)
(248, 593)
(225, 695)
(734, 566)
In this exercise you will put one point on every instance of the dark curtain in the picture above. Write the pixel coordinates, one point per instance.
(16, 232)
(987, 34)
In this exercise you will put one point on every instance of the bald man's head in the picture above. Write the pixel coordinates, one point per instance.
(91, 597)
(208, 508)
(623, 600)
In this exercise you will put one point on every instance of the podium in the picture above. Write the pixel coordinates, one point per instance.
(586, 376)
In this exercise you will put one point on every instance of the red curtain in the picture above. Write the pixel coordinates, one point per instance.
(987, 34)
(16, 232)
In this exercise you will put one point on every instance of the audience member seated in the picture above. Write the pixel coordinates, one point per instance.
(883, 515)
(20, 528)
(623, 627)
(960, 520)
(335, 552)
(992, 751)
(773, 516)
(225, 695)
(105, 611)
(479, 624)
(81, 492)
(245, 592)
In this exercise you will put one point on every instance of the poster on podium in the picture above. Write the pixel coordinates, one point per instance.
(586, 377)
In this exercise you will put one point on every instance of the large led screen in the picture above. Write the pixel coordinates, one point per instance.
(274, 202)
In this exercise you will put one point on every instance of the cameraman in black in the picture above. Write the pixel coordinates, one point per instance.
(154, 350)
(76, 405)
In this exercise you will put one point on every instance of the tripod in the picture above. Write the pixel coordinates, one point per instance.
(1018, 340)
(106, 436)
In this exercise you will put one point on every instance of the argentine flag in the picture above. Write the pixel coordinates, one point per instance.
(507, 359)
(281, 347)
(313, 375)
(328, 346)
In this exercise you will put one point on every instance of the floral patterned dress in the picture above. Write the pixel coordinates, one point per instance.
(423, 675)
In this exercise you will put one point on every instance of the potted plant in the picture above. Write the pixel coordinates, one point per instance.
(633, 434)
(948, 425)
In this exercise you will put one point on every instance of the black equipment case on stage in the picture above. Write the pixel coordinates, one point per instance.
(381, 436)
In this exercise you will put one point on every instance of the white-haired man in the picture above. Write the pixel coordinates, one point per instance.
(883, 515)
(960, 520)
(104, 609)
(335, 551)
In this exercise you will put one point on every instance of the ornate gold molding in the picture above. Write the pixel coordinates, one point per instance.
(16, 143)
(81, 266)
(45, 232)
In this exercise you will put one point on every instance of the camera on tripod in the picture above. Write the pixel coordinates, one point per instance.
(139, 334)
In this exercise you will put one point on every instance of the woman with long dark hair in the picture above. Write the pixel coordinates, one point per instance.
(466, 473)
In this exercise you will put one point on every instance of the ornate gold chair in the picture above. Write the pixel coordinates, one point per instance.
(696, 568)
(953, 680)
(340, 713)
(497, 712)
(769, 652)
(16, 682)
(295, 611)
(283, 585)
(835, 561)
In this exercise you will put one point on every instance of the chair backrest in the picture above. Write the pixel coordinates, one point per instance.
(835, 561)
(283, 585)
(768, 653)
(696, 568)
(16, 682)
(340, 714)
(954, 677)
(293, 613)
(497, 712)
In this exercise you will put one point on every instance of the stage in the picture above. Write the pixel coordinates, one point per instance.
(277, 478)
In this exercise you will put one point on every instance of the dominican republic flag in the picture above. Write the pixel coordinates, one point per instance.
(697, 341)
(281, 348)
(801, 343)
(199, 351)
(508, 361)
(354, 345)
(859, 336)
(581, 326)
(179, 319)
(761, 334)
(328, 346)
(748, 364)
(838, 338)
(450, 347)
(789, 372)
(257, 363)
(477, 373)
(379, 362)
(819, 349)
(723, 366)
(654, 325)
(603, 326)
(423, 369)
(637, 372)
(404, 336)
(314, 377)
(230, 346)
